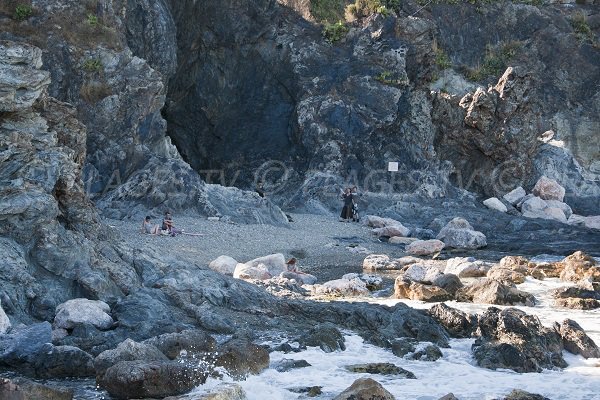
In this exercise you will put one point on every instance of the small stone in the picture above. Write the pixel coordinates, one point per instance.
(494, 203)
(549, 189)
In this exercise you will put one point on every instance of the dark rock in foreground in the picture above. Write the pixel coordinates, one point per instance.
(456, 322)
(365, 389)
(381, 369)
(240, 357)
(523, 395)
(23, 389)
(576, 340)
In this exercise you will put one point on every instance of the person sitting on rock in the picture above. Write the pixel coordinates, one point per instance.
(168, 226)
(149, 228)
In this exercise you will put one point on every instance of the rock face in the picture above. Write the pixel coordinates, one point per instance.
(365, 389)
(512, 339)
(459, 234)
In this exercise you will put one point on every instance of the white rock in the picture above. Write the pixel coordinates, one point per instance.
(563, 206)
(425, 247)
(4, 321)
(466, 267)
(494, 203)
(459, 234)
(515, 196)
(81, 311)
(556, 214)
(376, 262)
(275, 263)
(592, 222)
(379, 222)
(245, 271)
(578, 220)
(301, 277)
(342, 287)
(534, 207)
(392, 230)
(422, 273)
(401, 240)
(373, 282)
(223, 264)
(549, 189)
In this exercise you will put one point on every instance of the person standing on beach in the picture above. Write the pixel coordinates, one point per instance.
(346, 214)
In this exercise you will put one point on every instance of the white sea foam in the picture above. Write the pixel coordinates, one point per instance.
(455, 372)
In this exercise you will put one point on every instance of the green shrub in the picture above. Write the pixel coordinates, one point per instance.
(92, 20)
(495, 61)
(92, 65)
(441, 59)
(327, 10)
(389, 78)
(22, 12)
(364, 8)
(335, 32)
(581, 26)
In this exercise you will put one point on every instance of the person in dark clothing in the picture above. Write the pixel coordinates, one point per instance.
(167, 225)
(346, 214)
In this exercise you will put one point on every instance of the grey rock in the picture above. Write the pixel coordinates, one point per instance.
(428, 353)
(518, 394)
(515, 195)
(576, 340)
(53, 362)
(489, 291)
(403, 346)
(325, 336)
(449, 282)
(364, 389)
(183, 344)
(456, 322)
(21, 347)
(4, 321)
(289, 364)
(126, 351)
(459, 234)
(381, 369)
(240, 358)
(20, 388)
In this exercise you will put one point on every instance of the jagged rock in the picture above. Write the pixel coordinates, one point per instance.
(128, 350)
(449, 396)
(428, 353)
(489, 291)
(456, 322)
(83, 311)
(342, 287)
(449, 282)
(405, 289)
(510, 269)
(289, 364)
(240, 357)
(517, 394)
(466, 267)
(223, 264)
(459, 234)
(20, 348)
(577, 303)
(549, 189)
(141, 379)
(576, 340)
(373, 282)
(403, 346)
(327, 337)
(494, 203)
(376, 262)
(23, 389)
(514, 196)
(365, 389)
(62, 362)
(424, 247)
(422, 273)
(381, 369)
(512, 339)
(579, 266)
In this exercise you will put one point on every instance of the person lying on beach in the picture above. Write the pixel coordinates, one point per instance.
(149, 228)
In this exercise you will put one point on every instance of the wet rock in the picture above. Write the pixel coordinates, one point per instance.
(240, 357)
(380, 369)
(517, 394)
(223, 264)
(515, 195)
(403, 346)
(154, 379)
(489, 291)
(449, 396)
(365, 389)
(494, 203)
(126, 351)
(23, 389)
(466, 267)
(424, 247)
(409, 323)
(459, 234)
(406, 289)
(83, 311)
(185, 343)
(578, 266)
(342, 288)
(548, 189)
(223, 391)
(457, 323)
(575, 340)
(62, 362)
(327, 337)
(310, 391)
(289, 364)
(512, 339)
(428, 353)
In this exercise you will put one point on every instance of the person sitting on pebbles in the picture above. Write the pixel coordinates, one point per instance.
(149, 228)
(168, 226)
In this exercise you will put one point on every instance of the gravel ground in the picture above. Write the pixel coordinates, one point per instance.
(321, 244)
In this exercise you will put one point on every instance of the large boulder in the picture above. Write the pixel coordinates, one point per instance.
(83, 311)
(510, 269)
(512, 339)
(380, 369)
(62, 362)
(576, 340)
(425, 247)
(342, 288)
(187, 343)
(459, 234)
(405, 289)
(24, 389)
(325, 336)
(19, 349)
(548, 189)
(422, 273)
(274, 263)
(151, 379)
(449, 282)
(457, 323)
(240, 358)
(378, 262)
(392, 231)
(223, 264)
(578, 266)
(365, 389)
(249, 272)
(535, 207)
(493, 203)
(490, 291)
(128, 350)
(515, 195)
(466, 267)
